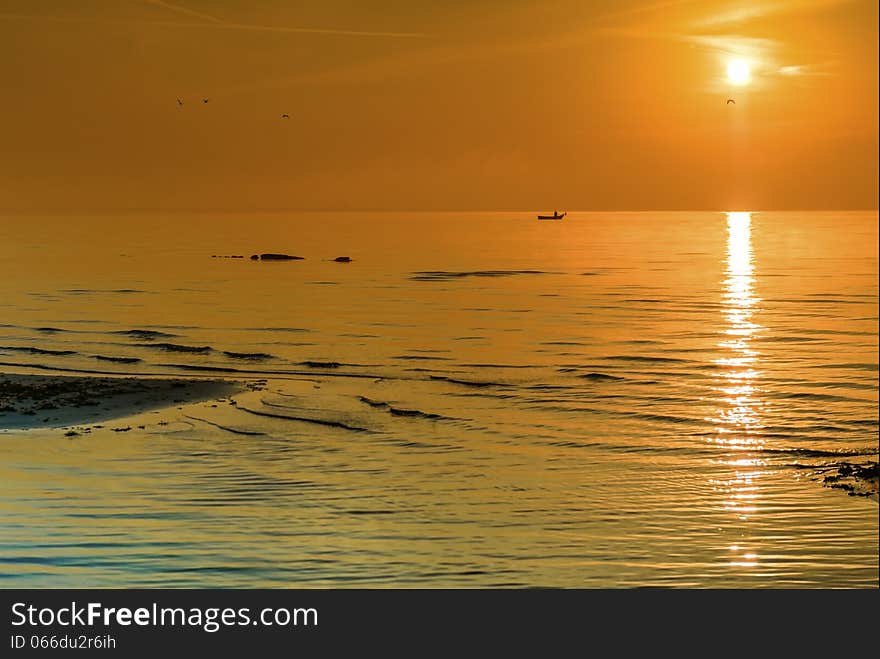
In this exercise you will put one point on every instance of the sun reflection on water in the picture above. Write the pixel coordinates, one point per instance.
(738, 421)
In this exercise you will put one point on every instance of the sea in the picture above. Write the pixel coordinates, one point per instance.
(475, 400)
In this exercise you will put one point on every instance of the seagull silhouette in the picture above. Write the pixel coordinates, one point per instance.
(730, 100)
(205, 100)
(285, 116)
(179, 102)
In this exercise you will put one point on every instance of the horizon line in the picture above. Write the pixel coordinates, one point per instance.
(276, 210)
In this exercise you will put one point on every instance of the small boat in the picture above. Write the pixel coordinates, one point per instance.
(555, 216)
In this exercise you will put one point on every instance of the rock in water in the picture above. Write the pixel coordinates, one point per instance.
(343, 259)
(278, 257)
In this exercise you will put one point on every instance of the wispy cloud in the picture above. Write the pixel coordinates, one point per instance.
(721, 30)
(734, 45)
(184, 10)
(211, 22)
(801, 70)
(215, 22)
(750, 12)
(315, 30)
(642, 9)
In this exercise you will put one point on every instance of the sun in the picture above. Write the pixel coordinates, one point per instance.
(738, 72)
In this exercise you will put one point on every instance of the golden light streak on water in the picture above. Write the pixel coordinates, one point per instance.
(738, 422)
(740, 416)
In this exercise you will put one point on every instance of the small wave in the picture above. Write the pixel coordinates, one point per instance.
(667, 418)
(176, 347)
(861, 295)
(92, 291)
(39, 351)
(370, 512)
(146, 335)
(396, 411)
(575, 445)
(290, 417)
(422, 357)
(82, 321)
(822, 332)
(46, 367)
(803, 395)
(466, 383)
(788, 339)
(443, 275)
(175, 327)
(819, 453)
(314, 364)
(860, 366)
(194, 367)
(118, 360)
(498, 365)
(641, 358)
(235, 431)
(373, 403)
(601, 377)
(248, 355)
(822, 300)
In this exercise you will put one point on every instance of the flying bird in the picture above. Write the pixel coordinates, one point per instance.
(730, 100)
(179, 102)
(205, 100)
(285, 116)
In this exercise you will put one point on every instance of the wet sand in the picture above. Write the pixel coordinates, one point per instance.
(42, 401)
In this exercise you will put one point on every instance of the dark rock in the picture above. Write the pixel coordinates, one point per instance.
(343, 259)
(279, 257)
(255, 257)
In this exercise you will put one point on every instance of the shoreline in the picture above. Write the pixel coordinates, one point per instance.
(30, 402)
(71, 402)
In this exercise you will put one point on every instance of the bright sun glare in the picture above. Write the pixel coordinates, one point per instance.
(738, 72)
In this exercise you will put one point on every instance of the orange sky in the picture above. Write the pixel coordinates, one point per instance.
(397, 104)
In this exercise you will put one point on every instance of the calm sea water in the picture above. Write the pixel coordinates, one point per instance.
(478, 399)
